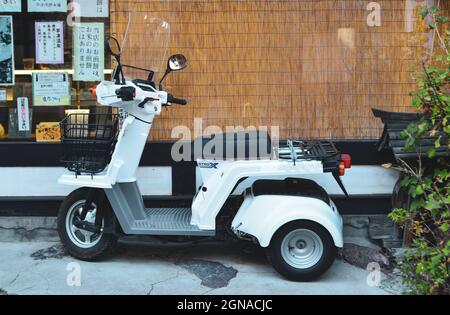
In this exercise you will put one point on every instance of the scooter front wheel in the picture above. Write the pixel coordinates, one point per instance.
(80, 243)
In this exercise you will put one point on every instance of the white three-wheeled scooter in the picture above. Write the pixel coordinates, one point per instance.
(291, 217)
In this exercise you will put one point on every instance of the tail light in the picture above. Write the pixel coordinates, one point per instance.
(347, 159)
(346, 162)
(342, 169)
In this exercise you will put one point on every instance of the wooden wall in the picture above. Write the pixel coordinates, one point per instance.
(314, 68)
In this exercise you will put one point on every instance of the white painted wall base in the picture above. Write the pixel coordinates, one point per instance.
(359, 180)
(157, 181)
(43, 181)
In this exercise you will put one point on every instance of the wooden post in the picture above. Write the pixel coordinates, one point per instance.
(78, 95)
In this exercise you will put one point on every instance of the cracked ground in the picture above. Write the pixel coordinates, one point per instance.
(206, 268)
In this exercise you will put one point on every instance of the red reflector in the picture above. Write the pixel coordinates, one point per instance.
(347, 159)
(342, 169)
(94, 91)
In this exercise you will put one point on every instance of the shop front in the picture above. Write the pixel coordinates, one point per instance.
(311, 69)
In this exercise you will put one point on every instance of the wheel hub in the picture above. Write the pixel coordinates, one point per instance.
(302, 248)
(301, 244)
(81, 237)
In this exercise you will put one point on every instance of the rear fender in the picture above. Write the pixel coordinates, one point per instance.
(262, 216)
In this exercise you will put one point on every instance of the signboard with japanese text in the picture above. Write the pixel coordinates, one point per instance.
(51, 89)
(49, 42)
(88, 49)
(47, 5)
(6, 51)
(23, 114)
(10, 5)
(92, 8)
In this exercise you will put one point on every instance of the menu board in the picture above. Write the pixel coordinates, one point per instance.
(51, 89)
(6, 51)
(23, 114)
(92, 8)
(49, 42)
(10, 5)
(47, 5)
(88, 46)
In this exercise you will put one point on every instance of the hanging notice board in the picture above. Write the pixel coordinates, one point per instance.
(51, 89)
(10, 5)
(49, 42)
(91, 8)
(88, 46)
(6, 51)
(47, 5)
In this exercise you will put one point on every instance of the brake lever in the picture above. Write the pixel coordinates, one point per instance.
(146, 100)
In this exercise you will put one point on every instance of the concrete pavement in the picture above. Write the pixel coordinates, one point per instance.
(203, 268)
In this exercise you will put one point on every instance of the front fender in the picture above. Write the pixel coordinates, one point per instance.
(262, 216)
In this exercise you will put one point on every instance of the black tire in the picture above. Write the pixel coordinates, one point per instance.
(275, 256)
(106, 243)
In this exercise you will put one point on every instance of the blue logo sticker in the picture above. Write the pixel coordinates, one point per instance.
(208, 164)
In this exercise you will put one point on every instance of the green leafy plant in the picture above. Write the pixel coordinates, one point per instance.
(426, 217)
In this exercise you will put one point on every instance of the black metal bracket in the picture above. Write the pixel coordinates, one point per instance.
(80, 222)
(337, 177)
(100, 211)
(88, 202)
(87, 226)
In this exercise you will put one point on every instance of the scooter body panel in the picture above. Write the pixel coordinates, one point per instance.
(135, 219)
(262, 216)
(218, 186)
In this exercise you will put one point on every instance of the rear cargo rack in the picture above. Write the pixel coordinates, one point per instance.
(323, 151)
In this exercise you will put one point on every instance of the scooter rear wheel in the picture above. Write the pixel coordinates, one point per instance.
(301, 250)
(79, 243)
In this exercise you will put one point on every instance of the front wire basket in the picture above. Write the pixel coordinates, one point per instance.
(88, 141)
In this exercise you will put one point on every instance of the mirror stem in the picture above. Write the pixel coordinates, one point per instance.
(163, 78)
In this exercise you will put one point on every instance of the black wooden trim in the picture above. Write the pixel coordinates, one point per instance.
(158, 153)
(48, 206)
(364, 152)
(363, 204)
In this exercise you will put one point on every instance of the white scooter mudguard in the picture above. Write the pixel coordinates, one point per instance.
(262, 216)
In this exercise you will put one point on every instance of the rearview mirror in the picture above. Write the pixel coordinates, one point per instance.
(114, 47)
(177, 62)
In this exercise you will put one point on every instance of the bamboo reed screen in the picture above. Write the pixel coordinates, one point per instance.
(313, 68)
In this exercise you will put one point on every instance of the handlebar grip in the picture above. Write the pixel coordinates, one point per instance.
(174, 100)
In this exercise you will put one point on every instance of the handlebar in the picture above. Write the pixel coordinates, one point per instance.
(128, 93)
(174, 100)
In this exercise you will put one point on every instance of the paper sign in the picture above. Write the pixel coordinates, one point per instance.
(23, 114)
(49, 42)
(3, 95)
(88, 51)
(92, 8)
(10, 5)
(47, 5)
(6, 51)
(51, 89)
